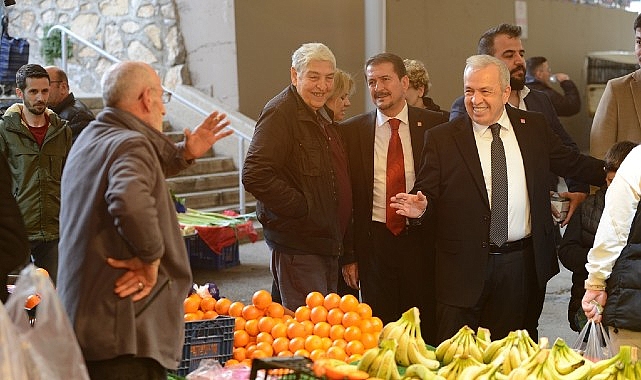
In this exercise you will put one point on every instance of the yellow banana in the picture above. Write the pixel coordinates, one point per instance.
(367, 358)
(491, 350)
(475, 352)
(518, 374)
(449, 354)
(422, 347)
(415, 357)
(401, 351)
(442, 348)
(471, 372)
(393, 332)
(514, 356)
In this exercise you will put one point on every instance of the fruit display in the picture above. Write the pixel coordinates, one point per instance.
(380, 361)
(411, 347)
(464, 342)
(515, 348)
(624, 365)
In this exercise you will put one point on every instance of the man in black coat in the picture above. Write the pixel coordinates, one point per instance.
(481, 281)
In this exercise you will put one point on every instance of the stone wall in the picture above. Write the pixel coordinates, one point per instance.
(144, 30)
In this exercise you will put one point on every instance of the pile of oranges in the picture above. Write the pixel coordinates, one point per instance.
(198, 307)
(326, 327)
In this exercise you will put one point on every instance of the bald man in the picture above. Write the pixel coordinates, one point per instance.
(64, 103)
(124, 270)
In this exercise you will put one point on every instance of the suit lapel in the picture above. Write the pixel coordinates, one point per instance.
(635, 87)
(417, 133)
(464, 137)
(523, 134)
(367, 149)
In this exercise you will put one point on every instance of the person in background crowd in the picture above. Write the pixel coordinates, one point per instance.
(420, 85)
(14, 246)
(124, 270)
(64, 104)
(504, 42)
(617, 117)
(392, 261)
(613, 283)
(539, 77)
(494, 240)
(35, 142)
(579, 235)
(296, 167)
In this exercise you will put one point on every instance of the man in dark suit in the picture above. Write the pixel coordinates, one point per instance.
(391, 264)
(504, 42)
(482, 280)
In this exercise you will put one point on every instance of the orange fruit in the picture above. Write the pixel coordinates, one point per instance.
(222, 306)
(369, 339)
(190, 317)
(275, 310)
(239, 353)
(366, 325)
(348, 302)
(336, 332)
(279, 330)
(339, 343)
(351, 318)
(331, 301)
(239, 324)
(318, 314)
(352, 333)
(250, 347)
(251, 326)
(259, 354)
(208, 304)
(262, 299)
(335, 316)
(236, 309)
(191, 304)
(302, 352)
(264, 337)
(285, 354)
(200, 314)
(309, 327)
(211, 314)
(231, 362)
(280, 344)
(302, 313)
(296, 343)
(317, 354)
(353, 358)
(354, 347)
(251, 312)
(313, 342)
(336, 352)
(295, 329)
(327, 343)
(321, 329)
(265, 347)
(265, 324)
(314, 299)
(241, 338)
(377, 323)
(364, 310)
(247, 363)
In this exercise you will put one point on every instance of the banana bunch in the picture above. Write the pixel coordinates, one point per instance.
(411, 347)
(490, 371)
(380, 361)
(420, 372)
(458, 366)
(624, 365)
(567, 363)
(464, 342)
(515, 348)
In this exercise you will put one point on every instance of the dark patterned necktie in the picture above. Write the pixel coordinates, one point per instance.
(498, 220)
(395, 181)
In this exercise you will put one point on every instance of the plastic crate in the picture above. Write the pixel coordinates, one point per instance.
(275, 368)
(203, 257)
(208, 339)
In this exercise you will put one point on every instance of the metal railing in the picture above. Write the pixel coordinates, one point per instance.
(242, 137)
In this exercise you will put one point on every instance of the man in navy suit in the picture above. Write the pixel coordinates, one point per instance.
(393, 268)
(481, 281)
(504, 42)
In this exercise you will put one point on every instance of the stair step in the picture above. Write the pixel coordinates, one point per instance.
(202, 182)
(208, 165)
(225, 197)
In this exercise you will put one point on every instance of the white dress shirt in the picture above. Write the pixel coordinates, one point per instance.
(381, 143)
(519, 223)
(621, 202)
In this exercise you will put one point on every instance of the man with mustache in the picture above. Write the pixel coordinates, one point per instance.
(35, 142)
(391, 262)
(504, 42)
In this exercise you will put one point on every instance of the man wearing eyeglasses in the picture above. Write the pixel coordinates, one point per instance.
(64, 104)
(124, 270)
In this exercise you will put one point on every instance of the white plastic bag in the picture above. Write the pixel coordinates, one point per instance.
(49, 348)
(12, 365)
(593, 342)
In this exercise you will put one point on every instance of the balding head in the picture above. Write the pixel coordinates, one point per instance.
(58, 85)
(134, 87)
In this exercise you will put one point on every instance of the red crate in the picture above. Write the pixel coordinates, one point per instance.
(203, 257)
(208, 339)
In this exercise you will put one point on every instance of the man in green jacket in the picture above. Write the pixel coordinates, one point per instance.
(35, 143)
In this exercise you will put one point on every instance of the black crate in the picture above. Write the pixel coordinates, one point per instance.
(275, 368)
(203, 257)
(208, 339)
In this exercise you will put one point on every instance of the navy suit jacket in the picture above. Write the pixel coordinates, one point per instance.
(358, 136)
(539, 102)
(452, 179)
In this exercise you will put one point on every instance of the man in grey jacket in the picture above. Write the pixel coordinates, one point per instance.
(124, 270)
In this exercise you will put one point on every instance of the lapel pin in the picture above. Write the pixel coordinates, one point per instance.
(522, 121)
(419, 124)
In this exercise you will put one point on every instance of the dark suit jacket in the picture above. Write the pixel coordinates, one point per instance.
(452, 179)
(358, 133)
(539, 102)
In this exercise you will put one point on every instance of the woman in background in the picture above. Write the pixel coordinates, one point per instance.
(420, 84)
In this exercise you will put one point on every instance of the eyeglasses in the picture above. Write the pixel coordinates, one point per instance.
(166, 96)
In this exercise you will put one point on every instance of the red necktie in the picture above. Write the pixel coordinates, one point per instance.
(395, 178)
